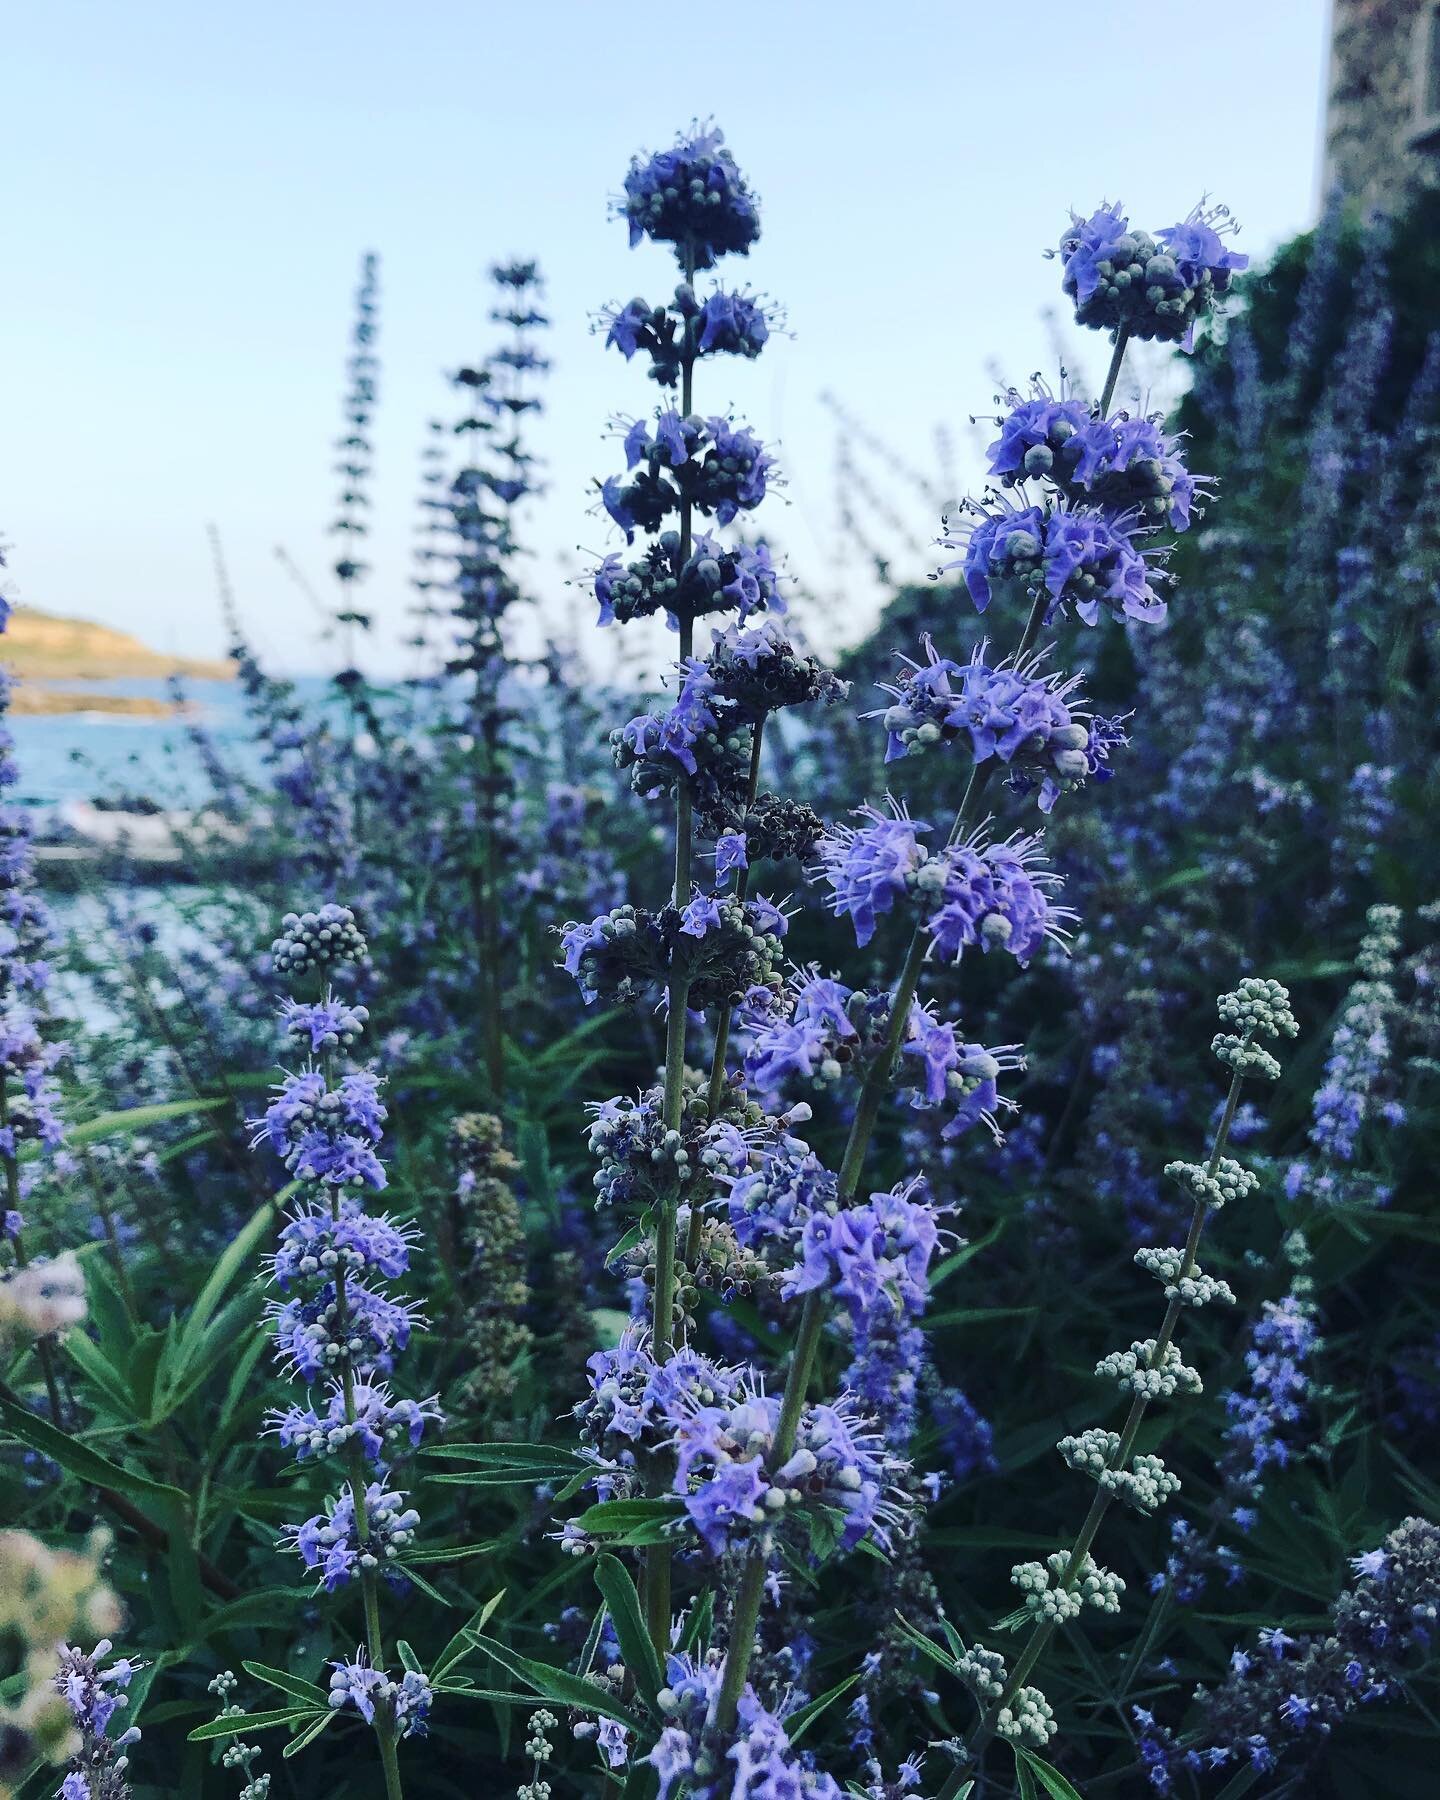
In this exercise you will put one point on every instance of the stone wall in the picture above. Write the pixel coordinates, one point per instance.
(1384, 77)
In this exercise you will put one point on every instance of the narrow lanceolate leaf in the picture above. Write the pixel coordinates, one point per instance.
(261, 1721)
(309, 1734)
(287, 1683)
(800, 1721)
(137, 1118)
(1053, 1782)
(461, 1645)
(641, 1657)
(79, 1458)
(556, 1684)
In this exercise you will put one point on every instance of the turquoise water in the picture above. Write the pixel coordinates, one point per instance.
(95, 755)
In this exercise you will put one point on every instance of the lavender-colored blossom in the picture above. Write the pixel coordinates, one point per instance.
(407, 1701)
(329, 1545)
(1073, 556)
(871, 868)
(694, 197)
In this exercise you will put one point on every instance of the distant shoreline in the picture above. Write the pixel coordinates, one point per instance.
(37, 700)
(43, 647)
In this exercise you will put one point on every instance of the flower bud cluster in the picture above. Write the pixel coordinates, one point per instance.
(1078, 556)
(1156, 286)
(759, 669)
(876, 1253)
(314, 941)
(94, 1695)
(1145, 1485)
(337, 1321)
(714, 577)
(694, 1757)
(406, 1702)
(1228, 1181)
(983, 1672)
(1009, 711)
(727, 322)
(1135, 1371)
(1257, 1008)
(333, 1544)
(1051, 1597)
(626, 1415)
(694, 197)
(711, 464)
(380, 1424)
(1194, 1289)
(1027, 1719)
(723, 946)
(1127, 465)
(994, 895)
(324, 1025)
(837, 1485)
(956, 1073)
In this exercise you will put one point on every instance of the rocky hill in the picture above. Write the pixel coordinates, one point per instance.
(41, 646)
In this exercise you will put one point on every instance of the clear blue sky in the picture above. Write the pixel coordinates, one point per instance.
(188, 189)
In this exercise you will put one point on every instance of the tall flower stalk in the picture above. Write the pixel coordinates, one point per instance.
(338, 1325)
(1090, 491)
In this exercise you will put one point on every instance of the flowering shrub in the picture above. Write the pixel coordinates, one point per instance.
(696, 1299)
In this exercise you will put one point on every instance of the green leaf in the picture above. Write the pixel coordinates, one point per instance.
(800, 1721)
(97, 1368)
(944, 1269)
(941, 1658)
(262, 1608)
(183, 1564)
(310, 1733)
(632, 1237)
(408, 1658)
(89, 1465)
(699, 1622)
(460, 1646)
(242, 1722)
(541, 1456)
(138, 1118)
(287, 1683)
(1023, 1777)
(612, 1517)
(623, 1604)
(643, 1781)
(1053, 1782)
(413, 1574)
(556, 1684)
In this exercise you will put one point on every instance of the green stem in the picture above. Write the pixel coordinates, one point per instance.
(744, 1618)
(662, 1318)
(722, 1024)
(1104, 1498)
(1107, 393)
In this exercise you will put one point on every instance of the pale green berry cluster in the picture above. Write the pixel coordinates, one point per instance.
(983, 1672)
(1146, 1485)
(1194, 1289)
(1051, 1598)
(1257, 1008)
(1090, 1452)
(1136, 1371)
(1229, 1181)
(1028, 1719)
(1097, 1587)
(539, 1749)
(1053, 1605)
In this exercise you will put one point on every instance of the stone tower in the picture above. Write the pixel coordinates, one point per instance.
(1382, 115)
